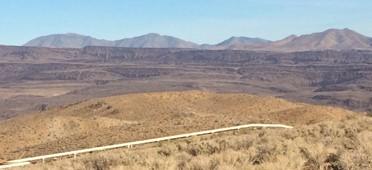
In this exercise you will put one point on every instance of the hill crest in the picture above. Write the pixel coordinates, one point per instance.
(131, 117)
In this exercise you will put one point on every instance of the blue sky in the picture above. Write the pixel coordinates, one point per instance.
(201, 21)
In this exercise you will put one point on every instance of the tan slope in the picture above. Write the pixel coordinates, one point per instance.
(139, 116)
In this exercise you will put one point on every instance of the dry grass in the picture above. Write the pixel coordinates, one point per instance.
(329, 145)
(120, 119)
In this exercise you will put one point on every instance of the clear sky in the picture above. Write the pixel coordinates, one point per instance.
(201, 21)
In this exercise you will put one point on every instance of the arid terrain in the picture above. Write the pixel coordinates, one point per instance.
(34, 79)
(186, 85)
(55, 100)
(133, 117)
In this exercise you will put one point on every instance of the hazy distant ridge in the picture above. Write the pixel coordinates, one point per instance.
(335, 39)
(329, 39)
(151, 40)
(69, 40)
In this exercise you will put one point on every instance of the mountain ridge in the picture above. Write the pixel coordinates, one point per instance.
(68, 40)
(73, 40)
(338, 39)
(331, 39)
(154, 40)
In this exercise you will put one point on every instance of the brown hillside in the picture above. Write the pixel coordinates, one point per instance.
(140, 116)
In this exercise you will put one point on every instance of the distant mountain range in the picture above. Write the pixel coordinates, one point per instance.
(335, 39)
(72, 40)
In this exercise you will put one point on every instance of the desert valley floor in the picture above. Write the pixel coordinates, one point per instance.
(34, 78)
